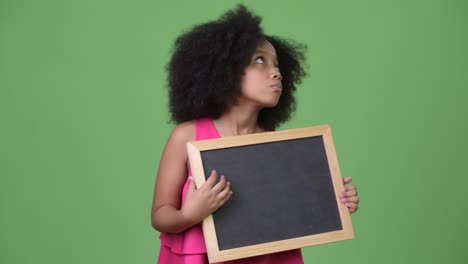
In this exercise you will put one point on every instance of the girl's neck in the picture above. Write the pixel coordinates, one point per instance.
(238, 121)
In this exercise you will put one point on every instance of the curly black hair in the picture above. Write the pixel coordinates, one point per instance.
(208, 62)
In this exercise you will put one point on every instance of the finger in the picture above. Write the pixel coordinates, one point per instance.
(348, 189)
(351, 205)
(347, 180)
(351, 187)
(211, 180)
(192, 186)
(350, 194)
(225, 192)
(353, 199)
(218, 187)
(225, 199)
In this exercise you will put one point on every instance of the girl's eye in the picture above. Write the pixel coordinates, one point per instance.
(260, 60)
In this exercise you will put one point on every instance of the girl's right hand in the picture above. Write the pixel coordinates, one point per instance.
(200, 203)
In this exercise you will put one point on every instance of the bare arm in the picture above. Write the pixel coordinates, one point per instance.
(167, 215)
(172, 173)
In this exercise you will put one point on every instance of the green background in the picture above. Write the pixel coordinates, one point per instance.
(84, 119)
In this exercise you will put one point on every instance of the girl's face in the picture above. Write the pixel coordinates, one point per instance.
(261, 82)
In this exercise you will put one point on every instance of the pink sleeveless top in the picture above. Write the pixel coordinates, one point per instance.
(191, 241)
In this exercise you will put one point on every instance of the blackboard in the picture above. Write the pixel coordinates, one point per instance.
(286, 185)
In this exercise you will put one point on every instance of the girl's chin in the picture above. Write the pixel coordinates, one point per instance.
(270, 104)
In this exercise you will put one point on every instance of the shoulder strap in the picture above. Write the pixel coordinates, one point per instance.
(205, 129)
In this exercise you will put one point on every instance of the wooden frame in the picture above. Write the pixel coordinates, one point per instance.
(195, 149)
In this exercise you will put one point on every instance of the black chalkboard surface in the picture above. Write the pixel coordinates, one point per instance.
(285, 184)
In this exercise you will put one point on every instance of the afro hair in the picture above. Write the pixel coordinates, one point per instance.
(208, 62)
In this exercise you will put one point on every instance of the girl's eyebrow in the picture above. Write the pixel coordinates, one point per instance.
(264, 52)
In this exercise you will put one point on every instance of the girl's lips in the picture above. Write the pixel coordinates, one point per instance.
(277, 87)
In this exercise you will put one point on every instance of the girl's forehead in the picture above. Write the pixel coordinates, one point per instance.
(266, 47)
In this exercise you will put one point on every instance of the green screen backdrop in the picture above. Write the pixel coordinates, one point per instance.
(83, 112)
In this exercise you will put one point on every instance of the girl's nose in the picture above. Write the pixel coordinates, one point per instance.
(276, 74)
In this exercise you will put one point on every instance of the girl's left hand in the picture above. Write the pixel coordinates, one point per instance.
(349, 195)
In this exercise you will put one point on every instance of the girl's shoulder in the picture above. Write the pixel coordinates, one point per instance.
(183, 132)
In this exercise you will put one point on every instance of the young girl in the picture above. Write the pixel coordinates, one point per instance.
(226, 78)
